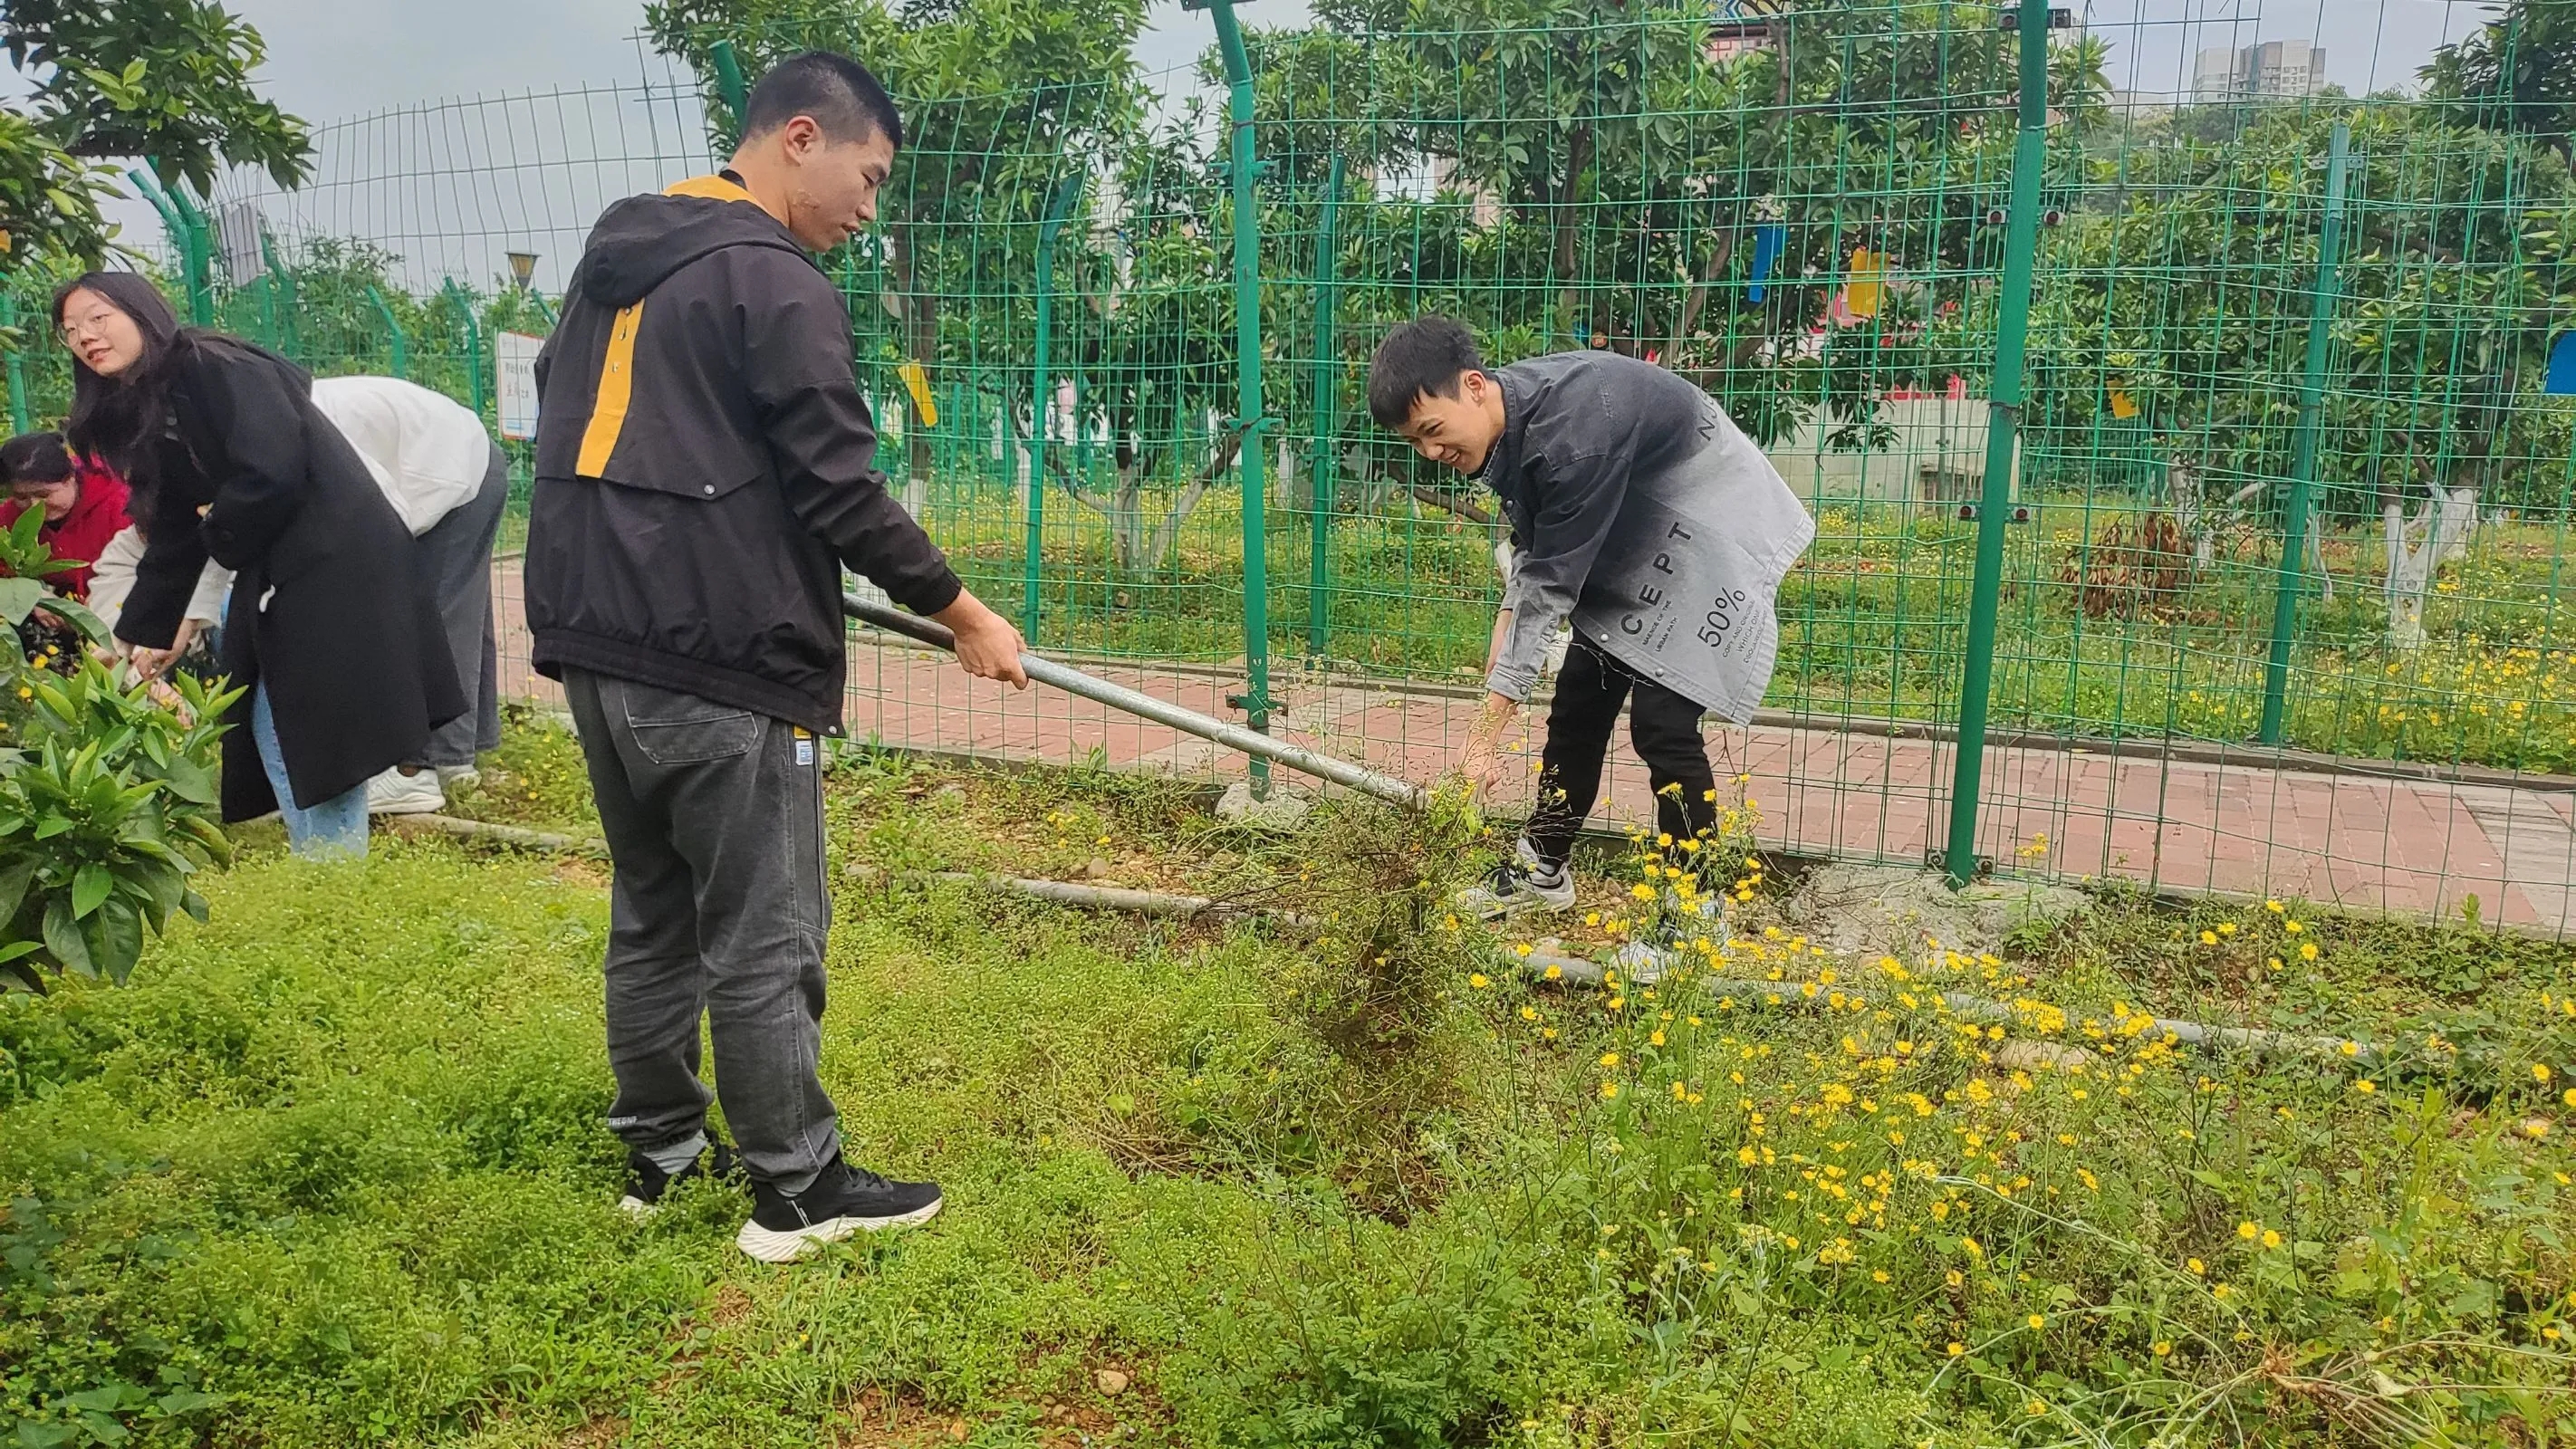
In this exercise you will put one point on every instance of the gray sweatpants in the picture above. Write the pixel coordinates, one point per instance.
(457, 553)
(714, 820)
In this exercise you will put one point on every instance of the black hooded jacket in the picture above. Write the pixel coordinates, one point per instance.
(705, 464)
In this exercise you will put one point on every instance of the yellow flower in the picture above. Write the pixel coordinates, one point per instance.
(2307, 950)
(1529, 1013)
(2038, 1321)
(1521, 949)
(2036, 1408)
(1642, 892)
(2350, 1049)
(1878, 1276)
(2248, 1231)
(2365, 1086)
(1609, 1090)
(2273, 906)
(1609, 1059)
(2209, 938)
(1478, 981)
(2220, 1290)
(2161, 1349)
(1957, 1348)
(2271, 1239)
(2194, 1267)
(1655, 1038)
(2227, 928)
(2540, 1071)
(1555, 972)
(2292, 927)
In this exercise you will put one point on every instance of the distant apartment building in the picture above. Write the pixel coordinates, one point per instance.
(2270, 71)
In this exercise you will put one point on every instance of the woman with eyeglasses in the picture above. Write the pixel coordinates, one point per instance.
(331, 633)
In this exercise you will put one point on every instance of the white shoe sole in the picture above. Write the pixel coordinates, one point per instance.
(773, 1246)
(637, 1209)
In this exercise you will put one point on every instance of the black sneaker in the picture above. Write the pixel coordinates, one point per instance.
(646, 1181)
(842, 1201)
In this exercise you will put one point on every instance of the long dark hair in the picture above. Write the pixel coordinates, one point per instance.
(115, 419)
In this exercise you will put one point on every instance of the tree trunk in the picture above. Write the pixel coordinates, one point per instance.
(1465, 508)
(919, 313)
(1697, 298)
(2417, 549)
(1578, 155)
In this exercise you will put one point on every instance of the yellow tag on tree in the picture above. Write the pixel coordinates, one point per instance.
(2122, 405)
(1860, 298)
(917, 382)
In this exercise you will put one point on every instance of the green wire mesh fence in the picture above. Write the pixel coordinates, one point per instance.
(2271, 554)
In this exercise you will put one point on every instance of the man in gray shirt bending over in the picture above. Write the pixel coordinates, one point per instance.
(1641, 513)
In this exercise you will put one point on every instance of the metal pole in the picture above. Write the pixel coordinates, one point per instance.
(182, 237)
(1261, 747)
(463, 301)
(1255, 699)
(2012, 329)
(2303, 454)
(393, 329)
(737, 95)
(199, 253)
(18, 419)
(1319, 583)
(1058, 206)
(279, 281)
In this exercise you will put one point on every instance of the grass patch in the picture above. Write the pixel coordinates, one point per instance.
(332, 1172)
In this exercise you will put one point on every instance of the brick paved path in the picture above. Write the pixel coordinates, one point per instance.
(2385, 843)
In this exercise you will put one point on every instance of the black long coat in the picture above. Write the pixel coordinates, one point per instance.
(329, 609)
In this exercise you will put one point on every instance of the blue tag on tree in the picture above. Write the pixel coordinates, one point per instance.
(2562, 366)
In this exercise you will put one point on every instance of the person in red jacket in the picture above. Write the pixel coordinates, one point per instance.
(84, 503)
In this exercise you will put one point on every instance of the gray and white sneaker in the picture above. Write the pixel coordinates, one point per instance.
(1642, 963)
(1520, 884)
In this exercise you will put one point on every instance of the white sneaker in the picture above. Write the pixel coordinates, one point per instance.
(452, 778)
(395, 793)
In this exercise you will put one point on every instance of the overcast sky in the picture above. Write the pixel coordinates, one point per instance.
(332, 59)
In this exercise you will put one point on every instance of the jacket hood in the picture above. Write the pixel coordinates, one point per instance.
(643, 239)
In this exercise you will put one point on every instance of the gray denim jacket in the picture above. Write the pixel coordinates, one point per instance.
(1639, 510)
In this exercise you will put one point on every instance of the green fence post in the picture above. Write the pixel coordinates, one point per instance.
(18, 418)
(280, 284)
(737, 95)
(193, 238)
(2012, 330)
(394, 331)
(1319, 583)
(2303, 454)
(1059, 205)
(1250, 420)
(463, 301)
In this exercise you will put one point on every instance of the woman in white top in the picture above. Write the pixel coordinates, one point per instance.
(449, 481)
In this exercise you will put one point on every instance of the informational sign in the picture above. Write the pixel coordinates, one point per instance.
(514, 363)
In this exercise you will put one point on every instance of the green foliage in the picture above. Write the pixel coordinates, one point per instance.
(107, 808)
(165, 80)
(107, 795)
(2516, 72)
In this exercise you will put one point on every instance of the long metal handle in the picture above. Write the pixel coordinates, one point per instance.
(1118, 696)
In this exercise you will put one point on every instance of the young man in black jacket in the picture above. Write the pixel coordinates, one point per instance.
(705, 466)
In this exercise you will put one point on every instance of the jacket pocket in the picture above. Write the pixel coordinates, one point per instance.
(671, 728)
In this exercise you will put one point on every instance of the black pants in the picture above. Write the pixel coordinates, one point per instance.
(714, 819)
(1665, 729)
